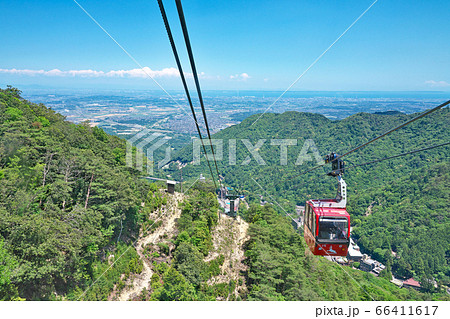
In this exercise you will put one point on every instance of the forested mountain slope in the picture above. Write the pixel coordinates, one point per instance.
(407, 196)
(65, 198)
(328, 136)
(406, 223)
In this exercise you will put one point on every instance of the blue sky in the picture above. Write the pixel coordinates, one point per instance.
(397, 45)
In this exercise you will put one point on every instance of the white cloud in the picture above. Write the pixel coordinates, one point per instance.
(240, 77)
(22, 72)
(202, 75)
(245, 76)
(144, 72)
(437, 84)
(133, 73)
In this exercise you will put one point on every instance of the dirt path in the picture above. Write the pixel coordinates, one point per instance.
(168, 214)
(369, 209)
(228, 237)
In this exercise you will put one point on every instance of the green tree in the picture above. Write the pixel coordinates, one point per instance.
(174, 288)
(189, 262)
(7, 265)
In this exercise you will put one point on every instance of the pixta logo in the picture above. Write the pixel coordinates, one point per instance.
(308, 152)
(148, 142)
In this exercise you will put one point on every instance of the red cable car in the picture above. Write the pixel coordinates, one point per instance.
(327, 223)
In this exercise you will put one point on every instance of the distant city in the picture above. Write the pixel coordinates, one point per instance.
(124, 113)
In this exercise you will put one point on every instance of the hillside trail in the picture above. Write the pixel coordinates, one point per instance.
(229, 237)
(168, 214)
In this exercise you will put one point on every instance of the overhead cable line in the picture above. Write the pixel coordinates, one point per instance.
(183, 80)
(194, 73)
(396, 128)
(316, 60)
(372, 140)
(398, 155)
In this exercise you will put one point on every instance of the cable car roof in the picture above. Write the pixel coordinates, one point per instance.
(321, 207)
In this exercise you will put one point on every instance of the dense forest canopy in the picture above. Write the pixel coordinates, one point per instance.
(65, 197)
(406, 224)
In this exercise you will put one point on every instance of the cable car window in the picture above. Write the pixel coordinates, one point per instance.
(306, 221)
(313, 224)
(333, 228)
(310, 218)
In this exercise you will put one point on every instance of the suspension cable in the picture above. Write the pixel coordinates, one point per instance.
(194, 73)
(398, 155)
(381, 160)
(396, 128)
(183, 80)
(372, 140)
(357, 165)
